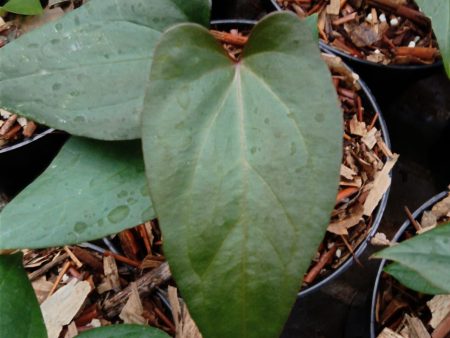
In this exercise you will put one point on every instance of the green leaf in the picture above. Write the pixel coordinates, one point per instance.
(412, 279)
(25, 7)
(20, 315)
(91, 189)
(439, 13)
(243, 163)
(124, 330)
(426, 257)
(87, 72)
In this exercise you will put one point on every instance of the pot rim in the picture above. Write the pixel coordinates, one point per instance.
(381, 206)
(27, 141)
(419, 211)
(334, 50)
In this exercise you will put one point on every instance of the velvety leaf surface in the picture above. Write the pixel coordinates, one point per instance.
(26, 7)
(439, 12)
(426, 256)
(20, 315)
(87, 72)
(124, 330)
(91, 189)
(243, 163)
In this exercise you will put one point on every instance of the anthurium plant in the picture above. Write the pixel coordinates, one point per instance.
(233, 155)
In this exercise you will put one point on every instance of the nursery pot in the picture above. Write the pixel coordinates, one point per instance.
(386, 81)
(22, 162)
(368, 99)
(407, 224)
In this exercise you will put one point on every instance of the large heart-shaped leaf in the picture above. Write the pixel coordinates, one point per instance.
(124, 330)
(243, 163)
(439, 12)
(422, 262)
(26, 7)
(87, 72)
(20, 315)
(91, 189)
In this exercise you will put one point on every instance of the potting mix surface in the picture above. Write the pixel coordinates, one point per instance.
(380, 31)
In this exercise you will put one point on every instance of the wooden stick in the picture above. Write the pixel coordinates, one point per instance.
(123, 259)
(88, 258)
(401, 10)
(143, 232)
(29, 129)
(443, 329)
(8, 124)
(63, 271)
(350, 249)
(232, 39)
(423, 53)
(166, 320)
(73, 257)
(374, 120)
(38, 273)
(360, 108)
(145, 285)
(416, 224)
(344, 193)
(12, 132)
(345, 19)
(315, 270)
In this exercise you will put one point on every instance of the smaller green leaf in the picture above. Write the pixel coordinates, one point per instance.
(412, 279)
(25, 7)
(20, 315)
(124, 330)
(439, 13)
(90, 190)
(424, 261)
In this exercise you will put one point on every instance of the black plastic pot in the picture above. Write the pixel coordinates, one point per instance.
(407, 224)
(235, 9)
(21, 163)
(368, 99)
(386, 81)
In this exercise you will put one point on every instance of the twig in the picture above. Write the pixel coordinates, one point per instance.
(416, 224)
(315, 270)
(60, 276)
(73, 257)
(232, 39)
(145, 285)
(36, 274)
(123, 259)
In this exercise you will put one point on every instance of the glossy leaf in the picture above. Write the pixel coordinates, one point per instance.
(124, 330)
(87, 72)
(423, 262)
(243, 163)
(26, 7)
(20, 315)
(91, 189)
(439, 12)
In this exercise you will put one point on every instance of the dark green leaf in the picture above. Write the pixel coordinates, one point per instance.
(26, 7)
(87, 73)
(439, 12)
(426, 256)
(20, 315)
(412, 279)
(124, 331)
(91, 189)
(243, 163)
